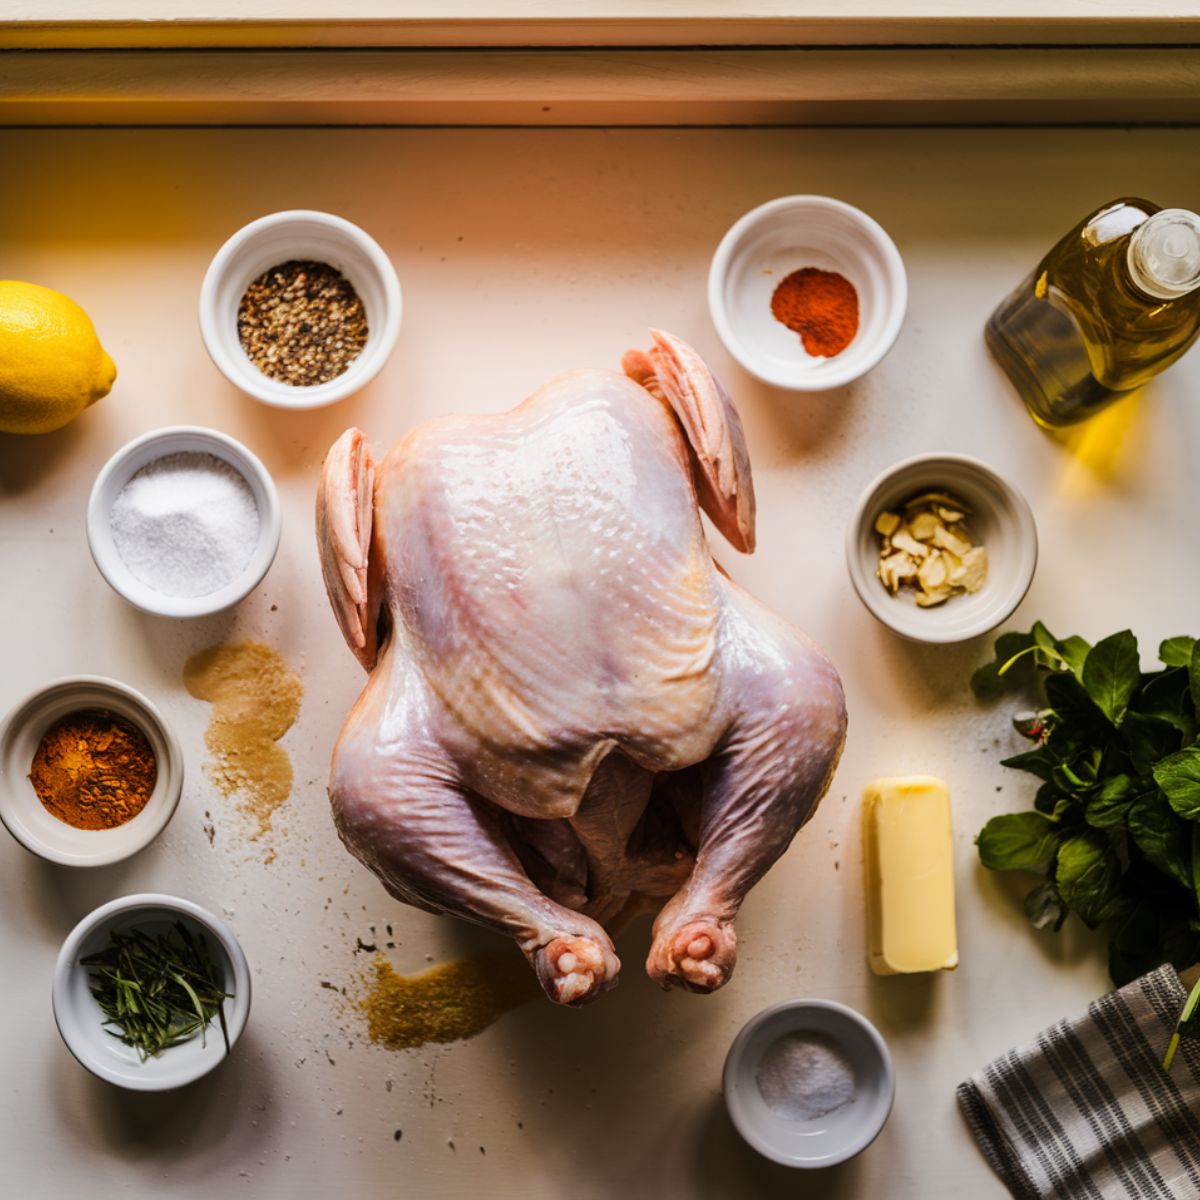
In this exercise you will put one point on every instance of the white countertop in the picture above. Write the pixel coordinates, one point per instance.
(522, 254)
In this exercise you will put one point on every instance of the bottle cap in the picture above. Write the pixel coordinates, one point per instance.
(1164, 254)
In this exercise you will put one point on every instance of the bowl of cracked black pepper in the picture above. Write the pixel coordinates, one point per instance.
(300, 309)
(90, 772)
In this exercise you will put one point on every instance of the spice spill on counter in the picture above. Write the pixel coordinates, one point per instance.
(94, 770)
(447, 1003)
(186, 524)
(805, 1075)
(255, 700)
(302, 323)
(821, 306)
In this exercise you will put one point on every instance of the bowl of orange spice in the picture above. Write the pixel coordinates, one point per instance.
(807, 292)
(90, 772)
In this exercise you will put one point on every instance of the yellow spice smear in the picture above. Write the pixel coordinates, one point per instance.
(447, 1003)
(255, 699)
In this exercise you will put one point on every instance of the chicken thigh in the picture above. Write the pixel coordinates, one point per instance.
(572, 714)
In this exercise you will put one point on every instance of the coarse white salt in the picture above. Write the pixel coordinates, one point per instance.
(186, 524)
(805, 1075)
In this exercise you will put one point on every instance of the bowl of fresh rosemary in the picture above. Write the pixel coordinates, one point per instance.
(151, 992)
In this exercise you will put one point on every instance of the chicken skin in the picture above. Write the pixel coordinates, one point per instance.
(572, 715)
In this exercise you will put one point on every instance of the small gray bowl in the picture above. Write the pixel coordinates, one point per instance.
(823, 1141)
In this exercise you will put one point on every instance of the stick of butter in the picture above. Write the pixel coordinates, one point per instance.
(909, 859)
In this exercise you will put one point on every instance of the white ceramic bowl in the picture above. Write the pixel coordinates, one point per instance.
(823, 1141)
(79, 1017)
(307, 235)
(130, 459)
(1000, 520)
(782, 236)
(28, 820)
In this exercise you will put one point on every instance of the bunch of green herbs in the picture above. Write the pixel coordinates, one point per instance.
(1115, 825)
(157, 990)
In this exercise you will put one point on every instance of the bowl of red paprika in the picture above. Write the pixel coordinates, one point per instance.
(807, 292)
(90, 772)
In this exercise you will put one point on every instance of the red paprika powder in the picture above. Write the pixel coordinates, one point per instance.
(821, 306)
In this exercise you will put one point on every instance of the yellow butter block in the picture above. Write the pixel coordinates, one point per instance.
(909, 859)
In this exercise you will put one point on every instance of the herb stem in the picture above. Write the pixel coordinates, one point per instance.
(1188, 1008)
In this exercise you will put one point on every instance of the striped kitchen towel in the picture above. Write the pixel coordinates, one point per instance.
(1086, 1110)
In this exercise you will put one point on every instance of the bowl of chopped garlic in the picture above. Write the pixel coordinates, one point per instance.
(940, 548)
(90, 772)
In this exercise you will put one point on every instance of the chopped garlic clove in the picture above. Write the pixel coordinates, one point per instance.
(887, 523)
(903, 540)
(932, 573)
(975, 566)
(896, 568)
(929, 599)
(923, 526)
(945, 540)
(949, 515)
(954, 568)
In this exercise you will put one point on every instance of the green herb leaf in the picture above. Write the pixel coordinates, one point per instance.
(1108, 806)
(1161, 836)
(1042, 762)
(1074, 652)
(1179, 777)
(1176, 651)
(1194, 677)
(1111, 673)
(1087, 874)
(1023, 841)
(1148, 740)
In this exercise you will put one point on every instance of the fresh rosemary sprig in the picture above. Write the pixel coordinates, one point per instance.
(157, 991)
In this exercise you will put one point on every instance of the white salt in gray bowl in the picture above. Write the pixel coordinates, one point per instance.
(131, 458)
(821, 1141)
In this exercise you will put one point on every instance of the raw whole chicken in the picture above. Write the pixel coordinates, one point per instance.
(572, 714)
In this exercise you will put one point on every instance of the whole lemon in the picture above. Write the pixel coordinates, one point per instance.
(52, 365)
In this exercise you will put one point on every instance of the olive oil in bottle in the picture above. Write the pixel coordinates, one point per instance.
(1115, 302)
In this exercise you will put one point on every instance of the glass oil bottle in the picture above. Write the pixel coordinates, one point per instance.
(1111, 305)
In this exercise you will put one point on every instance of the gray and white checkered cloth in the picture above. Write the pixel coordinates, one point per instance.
(1085, 1112)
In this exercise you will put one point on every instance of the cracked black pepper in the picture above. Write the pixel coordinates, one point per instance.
(302, 323)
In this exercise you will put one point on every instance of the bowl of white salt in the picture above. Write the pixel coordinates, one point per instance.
(809, 1083)
(183, 521)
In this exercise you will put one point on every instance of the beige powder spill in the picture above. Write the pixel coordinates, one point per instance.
(447, 1003)
(255, 699)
